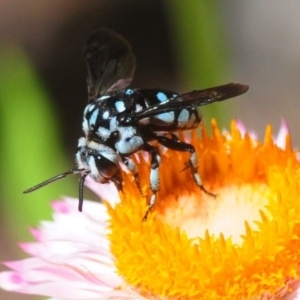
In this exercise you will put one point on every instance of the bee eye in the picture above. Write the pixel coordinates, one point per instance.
(106, 167)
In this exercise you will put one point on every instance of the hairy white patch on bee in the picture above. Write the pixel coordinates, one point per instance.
(103, 132)
(93, 118)
(86, 109)
(167, 117)
(90, 107)
(129, 141)
(85, 125)
(113, 124)
(129, 92)
(138, 108)
(104, 150)
(82, 164)
(154, 176)
(161, 96)
(154, 179)
(120, 106)
(194, 160)
(93, 167)
(105, 115)
(104, 97)
(82, 142)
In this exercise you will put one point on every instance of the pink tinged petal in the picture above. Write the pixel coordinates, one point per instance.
(57, 249)
(36, 233)
(35, 284)
(11, 281)
(102, 271)
(297, 295)
(70, 206)
(280, 139)
(281, 136)
(292, 290)
(127, 294)
(85, 227)
(105, 191)
(65, 285)
(242, 129)
(71, 259)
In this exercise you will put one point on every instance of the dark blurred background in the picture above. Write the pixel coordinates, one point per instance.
(178, 46)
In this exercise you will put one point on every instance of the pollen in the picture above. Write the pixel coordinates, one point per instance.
(242, 244)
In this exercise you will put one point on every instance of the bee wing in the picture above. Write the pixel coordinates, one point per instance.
(110, 62)
(194, 98)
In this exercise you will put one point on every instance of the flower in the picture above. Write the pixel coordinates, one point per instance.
(243, 244)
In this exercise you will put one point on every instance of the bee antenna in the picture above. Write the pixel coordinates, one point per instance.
(55, 178)
(81, 187)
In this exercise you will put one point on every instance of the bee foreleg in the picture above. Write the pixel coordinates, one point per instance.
(129, 163)
(154, 175)
(118, 181)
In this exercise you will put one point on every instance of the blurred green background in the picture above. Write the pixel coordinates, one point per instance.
(179, 45)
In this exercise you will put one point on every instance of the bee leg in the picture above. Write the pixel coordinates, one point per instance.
(174, 136)
(154, 175)
(129, 163)
(193, 164)
(118, 181)
(175, 144)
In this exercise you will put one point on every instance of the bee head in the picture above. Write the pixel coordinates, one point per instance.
(94, 159)
(100, 161)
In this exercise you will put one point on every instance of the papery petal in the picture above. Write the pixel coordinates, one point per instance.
(193, 245)
(242, 128)
(280, 139)
(71, 259)
(107, 191)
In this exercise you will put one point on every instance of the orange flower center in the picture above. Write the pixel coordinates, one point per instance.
(243, 243)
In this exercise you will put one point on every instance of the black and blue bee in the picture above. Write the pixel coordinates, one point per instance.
(119, 121)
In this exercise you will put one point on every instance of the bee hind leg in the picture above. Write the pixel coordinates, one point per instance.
(175, 144)
(193, 164)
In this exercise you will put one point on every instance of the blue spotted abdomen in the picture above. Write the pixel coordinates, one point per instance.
(177, 119)
(100, 117)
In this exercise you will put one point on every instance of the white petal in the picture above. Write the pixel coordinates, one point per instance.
(105, 191)
(71, 259)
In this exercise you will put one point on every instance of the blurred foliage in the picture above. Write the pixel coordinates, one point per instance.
(30, 145)
(201, 49)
